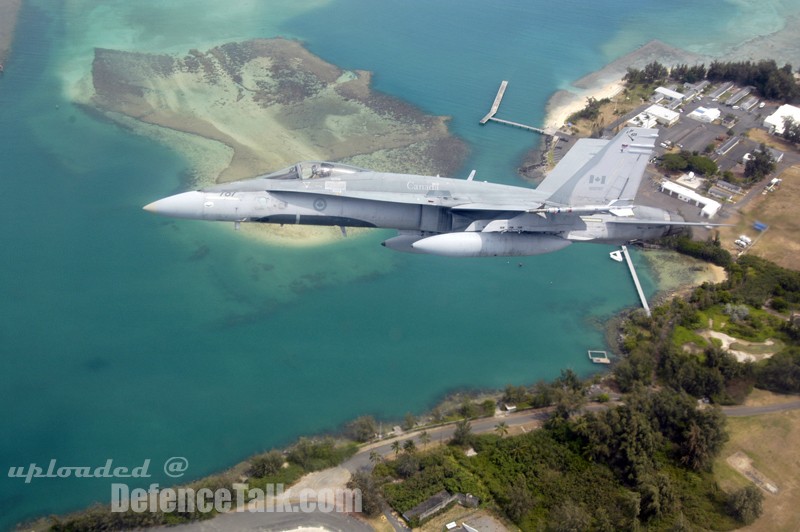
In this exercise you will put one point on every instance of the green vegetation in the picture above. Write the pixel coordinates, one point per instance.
(688, 162)
(641, 462)
(709, 251)
(761, 165)
(769, 80)
(791, 130)
(362, 429)
(266, 469)
(652, 73)
(644, 463)
(746, 504)
(590, 112)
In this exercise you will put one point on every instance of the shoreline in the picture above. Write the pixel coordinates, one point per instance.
(607, 82)
(781, 46)
(449, 404)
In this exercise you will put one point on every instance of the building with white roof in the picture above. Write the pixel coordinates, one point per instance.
(657, 114)
(671, 94)
(709, 207)
(704, 114)
(774, 122)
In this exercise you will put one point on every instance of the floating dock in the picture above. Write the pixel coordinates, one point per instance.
(627, 256)
(599, 357)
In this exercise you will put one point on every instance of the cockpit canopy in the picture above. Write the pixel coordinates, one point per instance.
(314, 170)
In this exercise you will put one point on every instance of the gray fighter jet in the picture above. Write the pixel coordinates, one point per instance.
(587, 197)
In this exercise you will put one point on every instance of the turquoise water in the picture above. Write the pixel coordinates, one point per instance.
(131, 337)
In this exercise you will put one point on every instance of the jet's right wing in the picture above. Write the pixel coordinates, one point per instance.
(601, 172)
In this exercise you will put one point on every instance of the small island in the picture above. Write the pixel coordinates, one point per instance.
(244, 109)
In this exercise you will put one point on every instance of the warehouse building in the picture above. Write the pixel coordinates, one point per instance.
(708, 206)
(774, 122)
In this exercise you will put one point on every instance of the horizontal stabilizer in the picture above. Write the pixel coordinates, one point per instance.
(597, 172)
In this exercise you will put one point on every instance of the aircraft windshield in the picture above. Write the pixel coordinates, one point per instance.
(314, 170)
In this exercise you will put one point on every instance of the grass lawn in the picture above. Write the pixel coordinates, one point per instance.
(772, 441)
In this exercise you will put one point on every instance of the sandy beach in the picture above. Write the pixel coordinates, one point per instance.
(782, 46)
(9, 10)
(565, 103)
(607, 82)
(678, 274)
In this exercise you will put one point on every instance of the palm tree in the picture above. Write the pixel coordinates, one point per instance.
(396, 447)
(374, 457)
(501, 429)
(424, 438)
(409, 446)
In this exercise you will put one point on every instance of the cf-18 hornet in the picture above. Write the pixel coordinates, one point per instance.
(587, 197)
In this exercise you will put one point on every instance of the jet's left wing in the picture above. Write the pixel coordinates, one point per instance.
(598, 172)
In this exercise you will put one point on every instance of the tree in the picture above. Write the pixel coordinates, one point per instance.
(703, 439)
(591, 111)
(375, 457)
(407, 464)
(569, 516)
(519, 499)
(702, 165)
(362, 429)
(424, 438)
(409, 421)
(746, 504)
(371, 500)
(501, 429)
(396, 447)
(759, 166)
(468, 409)
(569, 393)
(674, 162)
(514, 394)
(488, 407)
(409, 446)
(266, 464)
(463, 433)
(791, 130)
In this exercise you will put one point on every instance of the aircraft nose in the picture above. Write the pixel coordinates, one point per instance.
(184, 205)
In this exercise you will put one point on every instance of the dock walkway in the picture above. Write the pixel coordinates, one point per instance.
(496, 105)
(645, 306)
(523, 126)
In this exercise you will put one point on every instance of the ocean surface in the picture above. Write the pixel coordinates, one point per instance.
(129, 337)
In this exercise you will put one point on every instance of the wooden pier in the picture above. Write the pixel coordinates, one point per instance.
(496, 105)
(523, 126)
(636, 282)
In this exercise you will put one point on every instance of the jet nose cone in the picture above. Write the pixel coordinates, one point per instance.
(184, 205)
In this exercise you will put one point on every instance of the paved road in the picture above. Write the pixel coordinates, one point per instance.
(233, 522)
(442, 434)
(744, 411)
(361, 461)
